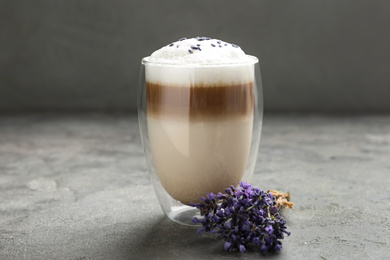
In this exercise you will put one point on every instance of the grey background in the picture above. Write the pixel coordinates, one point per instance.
(321, 56)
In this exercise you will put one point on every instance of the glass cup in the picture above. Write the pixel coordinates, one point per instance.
(200, 128)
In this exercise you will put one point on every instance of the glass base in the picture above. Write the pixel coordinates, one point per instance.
(184, 215)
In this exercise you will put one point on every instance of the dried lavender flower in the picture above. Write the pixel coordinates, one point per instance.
(242, 216)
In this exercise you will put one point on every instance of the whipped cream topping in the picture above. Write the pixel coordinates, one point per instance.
(200, 50)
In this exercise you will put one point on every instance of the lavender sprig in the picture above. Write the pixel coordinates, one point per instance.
(242, 216)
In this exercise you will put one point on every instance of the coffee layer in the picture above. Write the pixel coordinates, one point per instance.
(200, 101)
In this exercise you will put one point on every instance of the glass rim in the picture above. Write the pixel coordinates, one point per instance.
(147, 61)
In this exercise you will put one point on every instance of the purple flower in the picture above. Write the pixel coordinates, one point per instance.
(243, 216)
(227, 245)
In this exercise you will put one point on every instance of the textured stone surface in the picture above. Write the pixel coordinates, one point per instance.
(77, 187)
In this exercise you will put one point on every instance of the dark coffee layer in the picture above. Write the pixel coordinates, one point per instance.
(200, 101)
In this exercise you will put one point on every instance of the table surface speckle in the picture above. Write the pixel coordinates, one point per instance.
(77, 187)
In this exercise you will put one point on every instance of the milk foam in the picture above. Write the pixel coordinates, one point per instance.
(200, 50)
(197, 61)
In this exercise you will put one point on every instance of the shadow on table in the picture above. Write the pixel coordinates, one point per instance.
(165, 239)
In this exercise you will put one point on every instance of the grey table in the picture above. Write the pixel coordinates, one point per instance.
(77, 187)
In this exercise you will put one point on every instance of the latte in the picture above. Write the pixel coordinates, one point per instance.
(200, 105)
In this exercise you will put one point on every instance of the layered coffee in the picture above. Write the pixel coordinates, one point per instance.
(200, 103)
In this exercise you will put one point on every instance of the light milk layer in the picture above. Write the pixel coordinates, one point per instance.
(194, 158)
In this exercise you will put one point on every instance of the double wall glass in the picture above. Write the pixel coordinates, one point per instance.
(200, 127)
